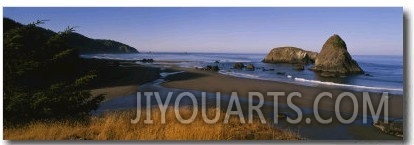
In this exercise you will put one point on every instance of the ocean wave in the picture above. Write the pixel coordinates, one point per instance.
(235, 60)
(103, 56)
(165, 74)
(189, 65)
(236, 74)
(347, 85)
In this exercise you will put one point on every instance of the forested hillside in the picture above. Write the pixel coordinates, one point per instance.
(84, 44)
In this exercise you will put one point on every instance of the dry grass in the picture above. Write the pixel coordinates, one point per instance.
(117, 126)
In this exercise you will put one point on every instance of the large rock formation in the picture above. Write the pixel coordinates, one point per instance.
(335, 59)
(291, 55)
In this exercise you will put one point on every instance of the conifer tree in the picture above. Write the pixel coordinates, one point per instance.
(43, 76)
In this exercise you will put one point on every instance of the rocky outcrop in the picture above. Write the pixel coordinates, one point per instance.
(334, 59)
(209, 68)
(147, 60)
(290, 55)
(281, 73)
(299, 67)
(250, 67)
(238, 65)
(393, 127)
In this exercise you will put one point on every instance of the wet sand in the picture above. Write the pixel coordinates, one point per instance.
(118, 78)
(215, 82)
(115, 91)
(206, 81)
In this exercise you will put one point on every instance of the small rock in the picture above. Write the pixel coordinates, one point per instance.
(210, 68)
(238, 65)
(328, 75)
(299, 67)
(147, 60)
(250, 67)
(369, 75)
(280, 73)
(215, 68)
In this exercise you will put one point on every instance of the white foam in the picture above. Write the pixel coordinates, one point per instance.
(234, 60)
(195, 66)
(236, 74)
(346, 85)
(165, 74)
(189, 65)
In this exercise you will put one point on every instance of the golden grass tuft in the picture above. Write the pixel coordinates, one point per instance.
(117, 126)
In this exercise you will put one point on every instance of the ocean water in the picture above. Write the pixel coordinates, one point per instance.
(385, 72)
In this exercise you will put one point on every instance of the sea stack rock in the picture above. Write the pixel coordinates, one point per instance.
(335, 59)
(290, 55)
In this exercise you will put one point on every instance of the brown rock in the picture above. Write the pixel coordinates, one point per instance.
(334, 58)
(291, 55)
(250, 67)
(299, 67)
(238, 65)
(210, 68)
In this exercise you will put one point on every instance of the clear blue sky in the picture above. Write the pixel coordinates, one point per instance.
(376, 31)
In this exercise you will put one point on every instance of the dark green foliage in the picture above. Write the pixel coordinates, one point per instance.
(43, 75)
(9, 24)
(88, 46)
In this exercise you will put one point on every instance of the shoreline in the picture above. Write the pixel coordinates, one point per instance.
(204, 81)
(226, 84)
(373, 81)
(117, 78)
(177, 68)
(207, 81)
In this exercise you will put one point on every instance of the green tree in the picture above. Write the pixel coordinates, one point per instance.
(43, 76)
